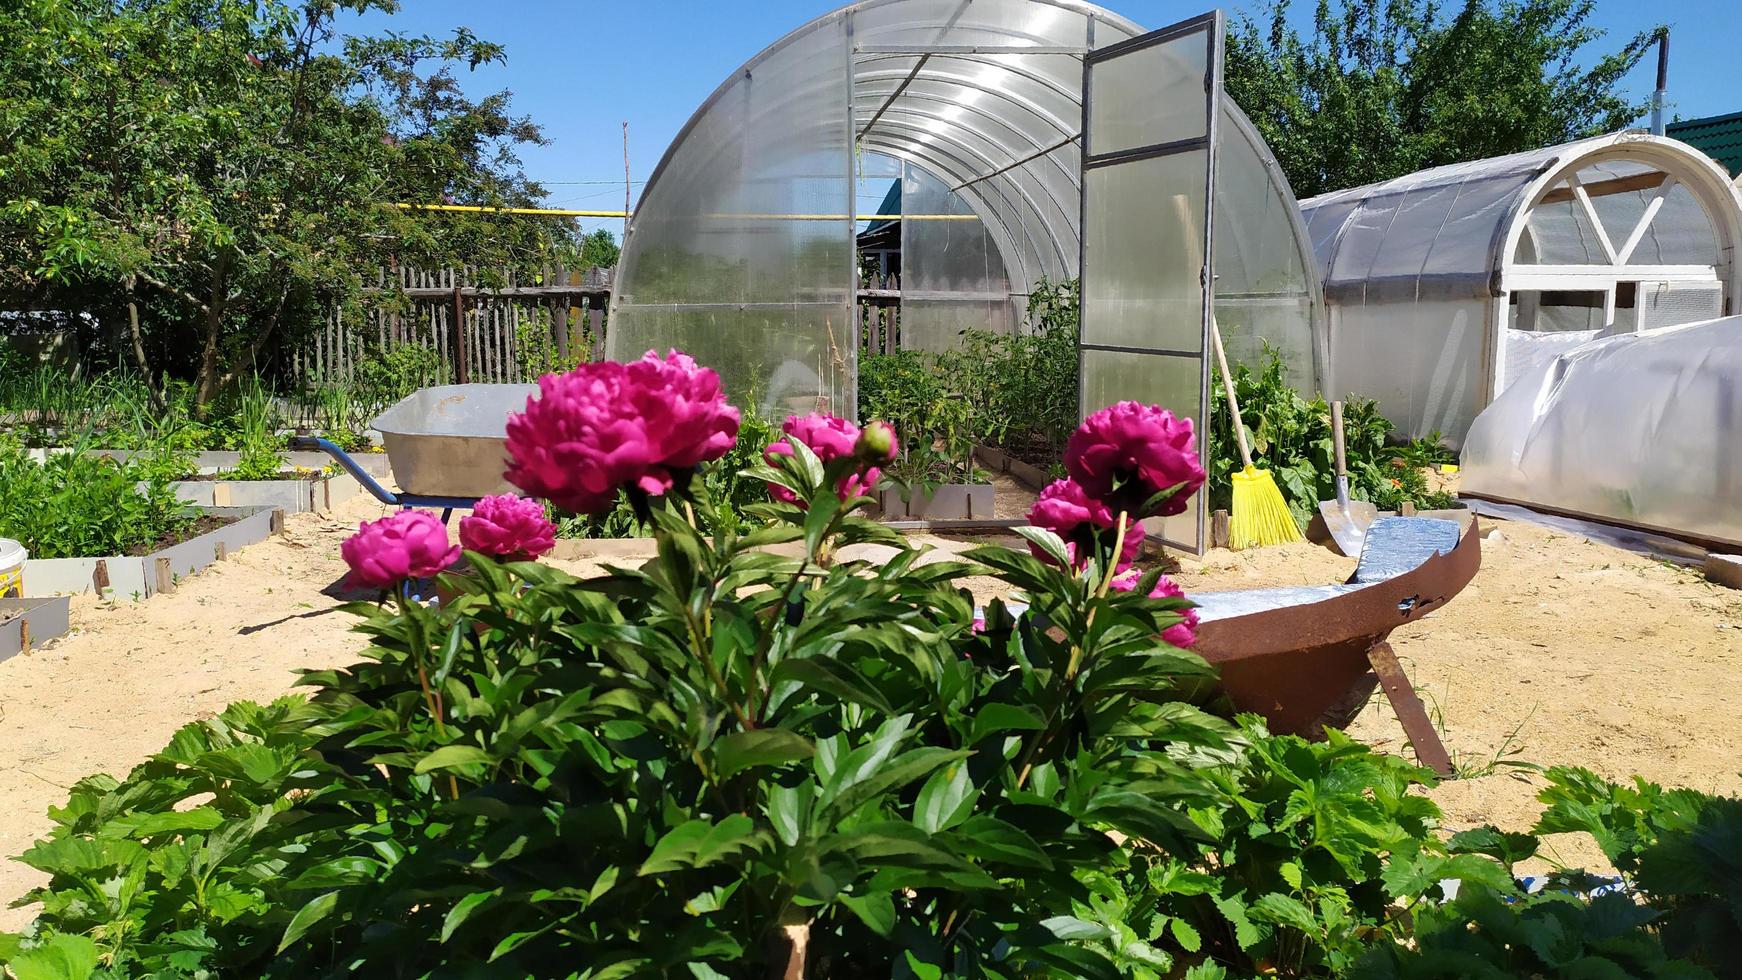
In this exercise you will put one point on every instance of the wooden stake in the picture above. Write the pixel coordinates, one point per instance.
(462, 373)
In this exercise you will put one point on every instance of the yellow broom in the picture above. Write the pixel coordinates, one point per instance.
(1261, 516)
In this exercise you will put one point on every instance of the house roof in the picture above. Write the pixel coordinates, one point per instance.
(1719, 137)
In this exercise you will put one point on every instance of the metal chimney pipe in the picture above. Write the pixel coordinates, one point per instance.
(1659, 97)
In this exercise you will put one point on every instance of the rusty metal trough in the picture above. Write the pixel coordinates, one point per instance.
(1309, 658)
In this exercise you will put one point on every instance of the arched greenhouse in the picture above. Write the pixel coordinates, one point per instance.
(1033, 140)
(1445, 286)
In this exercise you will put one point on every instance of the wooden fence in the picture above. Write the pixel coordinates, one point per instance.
(507, 333)
(513, 332)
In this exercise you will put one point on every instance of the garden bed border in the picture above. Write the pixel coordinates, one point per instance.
(213, 461)
(38, 621)
(950, 501)
(142, 576)
(291, 496)
(999, 461)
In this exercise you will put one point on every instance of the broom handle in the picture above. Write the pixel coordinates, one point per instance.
(1233, 402)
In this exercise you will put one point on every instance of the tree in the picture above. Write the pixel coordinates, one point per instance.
(211, 177)
(600, 250)
(1388, 87)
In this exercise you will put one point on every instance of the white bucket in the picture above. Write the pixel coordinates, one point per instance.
(12, 556)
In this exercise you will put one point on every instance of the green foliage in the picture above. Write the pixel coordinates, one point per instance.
(76, 505)
(535, 348)
(339, 413)
(1024, 387)
(384, 377)
(1295, 874)
(599, 249)
(653, 771)
(1013, 392)
(1383, 88)
(1291, 437)
(1681, 849)
(255, 435)
(1496, 933)
(922, 395)
(212, 178)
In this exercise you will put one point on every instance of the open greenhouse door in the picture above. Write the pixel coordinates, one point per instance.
(1150, 108)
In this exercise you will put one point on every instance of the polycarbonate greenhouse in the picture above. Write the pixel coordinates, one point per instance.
(1034, 139)
(1444, 287)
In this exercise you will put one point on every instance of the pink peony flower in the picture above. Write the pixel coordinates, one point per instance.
(686, 412)
(1182, 634)
(404, 545)
(830, 438)
(1065, 509)
(606, 426)
(508, 527)
(1126, 453)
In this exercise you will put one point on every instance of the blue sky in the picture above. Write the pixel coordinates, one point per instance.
(582, 69)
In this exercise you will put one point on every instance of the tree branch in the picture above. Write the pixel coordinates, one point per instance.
(180, 294)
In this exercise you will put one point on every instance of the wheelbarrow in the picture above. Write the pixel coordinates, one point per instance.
(1309, 658)
(447, 445)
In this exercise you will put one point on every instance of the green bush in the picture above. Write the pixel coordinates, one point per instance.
(661, 771)
(75, 505)
(936, 421)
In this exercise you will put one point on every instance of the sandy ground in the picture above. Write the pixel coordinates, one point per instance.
(1561, 652)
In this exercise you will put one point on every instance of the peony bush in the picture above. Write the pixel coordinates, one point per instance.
(780, 752)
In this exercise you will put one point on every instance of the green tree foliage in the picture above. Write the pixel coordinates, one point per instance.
(211, 177)
(1387, 87)
(599, 248)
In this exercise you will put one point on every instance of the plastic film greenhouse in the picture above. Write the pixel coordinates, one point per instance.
(1445, 287)
(1032, 140)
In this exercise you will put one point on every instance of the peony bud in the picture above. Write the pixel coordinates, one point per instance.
(877, 444)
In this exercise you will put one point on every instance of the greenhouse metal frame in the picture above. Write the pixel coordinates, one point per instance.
(742, 250)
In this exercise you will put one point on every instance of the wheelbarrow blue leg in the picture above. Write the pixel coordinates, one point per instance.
(344, 459)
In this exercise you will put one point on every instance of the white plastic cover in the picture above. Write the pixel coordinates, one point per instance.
(1644, 430)
(1443, 287)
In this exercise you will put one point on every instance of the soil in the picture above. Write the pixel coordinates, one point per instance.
(1562, 651)
(203, 524)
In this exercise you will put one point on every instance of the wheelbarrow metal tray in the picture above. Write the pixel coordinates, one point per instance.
(451, 440)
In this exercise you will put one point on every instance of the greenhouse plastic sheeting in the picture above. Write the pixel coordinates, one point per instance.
(741, 251)
(1267, 291)
(1644, 430)
(945, 264)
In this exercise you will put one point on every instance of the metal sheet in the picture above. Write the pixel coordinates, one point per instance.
(451, 440)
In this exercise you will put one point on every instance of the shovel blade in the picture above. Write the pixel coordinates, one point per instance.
(1348, 527)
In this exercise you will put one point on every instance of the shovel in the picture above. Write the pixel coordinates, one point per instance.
(1346, 519)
